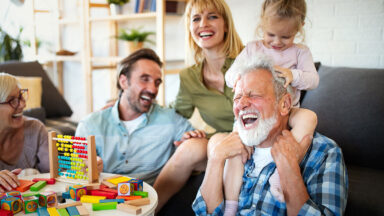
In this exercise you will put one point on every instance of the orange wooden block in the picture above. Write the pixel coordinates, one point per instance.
(128, 197)
(24, 185)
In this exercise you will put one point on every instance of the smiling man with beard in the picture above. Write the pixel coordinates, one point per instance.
(317, 185)
(136, 135)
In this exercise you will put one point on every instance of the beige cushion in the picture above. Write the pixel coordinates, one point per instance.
(35, 90)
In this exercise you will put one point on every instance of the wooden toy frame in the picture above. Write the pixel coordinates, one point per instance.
(93, 174)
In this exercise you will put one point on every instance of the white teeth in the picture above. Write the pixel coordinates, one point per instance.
(249, 116)
(17, 115)
(205, 34)
(146, 97)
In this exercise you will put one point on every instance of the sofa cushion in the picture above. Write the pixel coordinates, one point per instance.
(52, 101)
(38, 113)
(349, 103)
(35, 90)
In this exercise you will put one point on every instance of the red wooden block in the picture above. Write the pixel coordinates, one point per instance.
(109, 190)
(48, 180)
(108, 195)
(24, 185)
(128, 197)
(5, 213)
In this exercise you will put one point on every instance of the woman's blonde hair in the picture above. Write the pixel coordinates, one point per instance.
(282, 9)
(232, 42)
(7, 84)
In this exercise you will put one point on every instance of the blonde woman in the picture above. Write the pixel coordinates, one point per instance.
(23, 140)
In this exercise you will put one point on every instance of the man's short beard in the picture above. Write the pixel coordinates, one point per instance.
(258, 134)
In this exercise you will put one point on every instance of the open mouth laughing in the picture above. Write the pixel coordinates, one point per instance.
(248, 118)
(205, 34)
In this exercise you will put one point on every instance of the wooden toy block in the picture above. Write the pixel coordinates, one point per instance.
(72, 210)
(48, 199)
(31, 204)
(129, 208)
(14, 194)
(118, 180)
(126, 198)
(112, 200)
(30, 194)
(5, 212)
(95, 186)
(42, 212)
(108, 195)
(37, 186)
(82, 210)
(48, 180)
(69, 205)
(66, 195)
(138, 202)
(62, 212)
(53, 212)
(112, 177)
(13, 204)
(137, 183)
(109, 184)
(140, 193)
(24, 185)
(104, 206)
(91, 199)
(107, 189)
(125, 189)
(77, 191)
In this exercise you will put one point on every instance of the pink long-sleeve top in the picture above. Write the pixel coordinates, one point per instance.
(298, 58)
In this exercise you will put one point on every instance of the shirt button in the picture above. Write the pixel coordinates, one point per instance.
(126, 161)
(123, 153)
(125, 134)
(253, 205)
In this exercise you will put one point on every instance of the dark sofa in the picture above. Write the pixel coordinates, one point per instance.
(54, 109)
(349, 103)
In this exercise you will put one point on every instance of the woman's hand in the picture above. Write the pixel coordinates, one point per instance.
(100, 164)
(286, 73)
(189, 135)
(8, 180)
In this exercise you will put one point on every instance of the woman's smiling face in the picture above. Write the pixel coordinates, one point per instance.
(207, 28)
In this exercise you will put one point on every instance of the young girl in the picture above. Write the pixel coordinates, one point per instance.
(281, 21)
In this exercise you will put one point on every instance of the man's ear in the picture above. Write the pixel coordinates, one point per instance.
(123, 81)
(285, 105)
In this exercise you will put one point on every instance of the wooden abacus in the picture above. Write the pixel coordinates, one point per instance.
(68, 157)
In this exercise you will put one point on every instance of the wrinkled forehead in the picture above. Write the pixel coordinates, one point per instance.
(258, 81)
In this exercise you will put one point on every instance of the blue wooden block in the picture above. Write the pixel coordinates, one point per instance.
(112, 200)
(66, 195)
(72, 210)
(42, 212)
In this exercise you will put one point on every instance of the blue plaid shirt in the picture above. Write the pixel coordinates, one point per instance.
(324, 175)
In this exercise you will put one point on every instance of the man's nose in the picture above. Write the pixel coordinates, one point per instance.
(243, 102)
(152, 87)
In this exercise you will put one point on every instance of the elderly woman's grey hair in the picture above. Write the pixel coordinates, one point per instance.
(7, 84)
(262, 61)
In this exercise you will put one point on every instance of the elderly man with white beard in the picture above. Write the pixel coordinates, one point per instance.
(316, 185)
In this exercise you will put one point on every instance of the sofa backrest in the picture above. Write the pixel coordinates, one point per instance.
(349, 103)
(52, 101)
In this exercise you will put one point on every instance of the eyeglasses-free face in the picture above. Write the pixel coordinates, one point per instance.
(15, 101)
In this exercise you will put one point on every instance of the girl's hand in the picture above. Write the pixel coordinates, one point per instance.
(189, 135)
(286, 73)
(8, 180)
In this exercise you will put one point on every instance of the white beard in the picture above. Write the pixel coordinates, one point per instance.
(258, 134)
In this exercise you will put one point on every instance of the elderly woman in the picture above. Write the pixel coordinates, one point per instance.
(23, 140)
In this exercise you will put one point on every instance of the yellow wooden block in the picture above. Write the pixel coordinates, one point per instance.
(53, 212)
(91, 199)
(116, 181)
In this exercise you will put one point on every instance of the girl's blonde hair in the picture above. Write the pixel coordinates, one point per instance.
(282, 9)
(232, 42)
(7, 84)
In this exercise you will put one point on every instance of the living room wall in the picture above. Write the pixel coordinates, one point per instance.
(338, 32)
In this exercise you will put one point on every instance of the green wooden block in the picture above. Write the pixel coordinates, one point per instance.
(140, 193)
(63, 212)
(31, 194)
(38, 185)
(103, 206)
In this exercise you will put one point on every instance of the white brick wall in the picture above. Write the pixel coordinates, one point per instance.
(338, 32)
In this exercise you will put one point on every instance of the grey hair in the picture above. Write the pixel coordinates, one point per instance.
(262, 61)
(7, 84)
